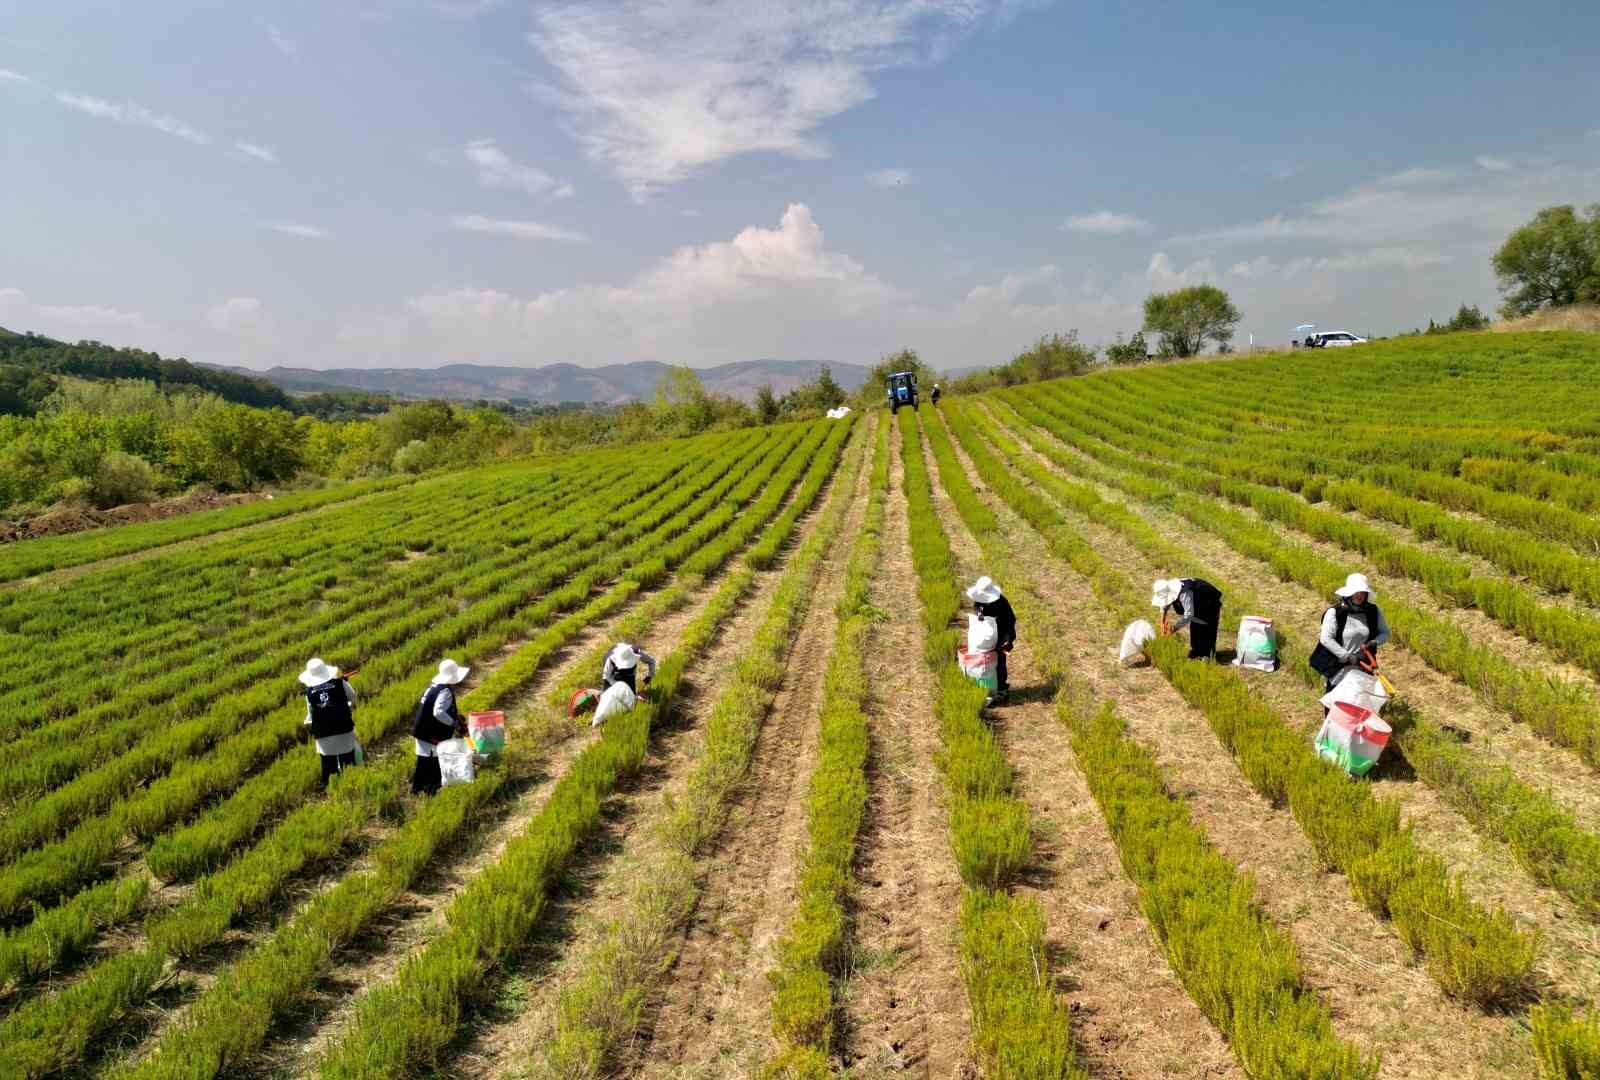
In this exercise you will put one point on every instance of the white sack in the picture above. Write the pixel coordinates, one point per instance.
(618, 699)
(457, 762)
(1358, 688)
(1138, 634)
(1257, 644)
(983, 634)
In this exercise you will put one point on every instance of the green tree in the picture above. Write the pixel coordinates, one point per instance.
(1552, 261)
(1051, 357)
(766, 404)
(1188, 318)
(1466, 318)
(1133, 351)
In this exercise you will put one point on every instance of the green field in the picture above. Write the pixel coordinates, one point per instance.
(812, 850)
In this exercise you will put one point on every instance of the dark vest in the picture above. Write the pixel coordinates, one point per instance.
(1207, 600)
(429, 728)
(330, 709)
(1323, 661)
(626, 675)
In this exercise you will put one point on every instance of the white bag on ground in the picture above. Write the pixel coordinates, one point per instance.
(1257, 644)
(983, 634)
(1359, 689)
(1138, 634)
(458, 762)
(618, 699)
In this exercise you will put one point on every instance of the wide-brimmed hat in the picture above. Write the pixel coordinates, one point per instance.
(1165, 592)
(984, 591)
(317, 672)
(450, 673)
(1353, 584)
(624, 657)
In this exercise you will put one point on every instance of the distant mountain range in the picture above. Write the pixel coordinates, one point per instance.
(613, 384)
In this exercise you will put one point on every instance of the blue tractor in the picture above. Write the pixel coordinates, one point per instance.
(902, 388)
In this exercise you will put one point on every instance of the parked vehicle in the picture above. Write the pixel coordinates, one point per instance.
(1333, 339)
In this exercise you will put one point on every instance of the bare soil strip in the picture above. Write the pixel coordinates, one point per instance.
(905, 1009)
(712, 1015)
(1378, 994)
(1130, 1014)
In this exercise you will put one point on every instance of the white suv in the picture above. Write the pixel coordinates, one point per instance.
(1333, 339)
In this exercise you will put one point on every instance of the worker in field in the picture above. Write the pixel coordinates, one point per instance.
(622, 665)
(330, 719)
(437, 719)
(991, 603)
(935, 394)
(1190, 602)
(1352, 629)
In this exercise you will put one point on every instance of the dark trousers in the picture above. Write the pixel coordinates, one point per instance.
(1000, 671)
(334, 764)
(425, 778)
(1202, 640)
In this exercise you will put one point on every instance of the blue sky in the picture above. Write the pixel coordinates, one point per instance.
(416, 182)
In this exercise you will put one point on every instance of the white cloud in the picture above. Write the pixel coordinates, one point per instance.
(237, 315)
(766, 292)
(1163, 274)
(521, 230)
(73, 322)
(7, 75)
(128, 112)
(308, 232)
(1494, 164)
(261, 153)
(662, 88)
(1106, 222)
(496, 169)
(282, 42)
(887, 178)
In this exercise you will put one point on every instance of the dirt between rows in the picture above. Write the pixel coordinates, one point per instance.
(1380, 996)
(1130, 1014)
(73, 519)
(505, 1036)
(1488, 869)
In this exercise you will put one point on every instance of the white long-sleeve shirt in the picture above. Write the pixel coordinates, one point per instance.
(333, 745)
(1356, 634)
(441, 712)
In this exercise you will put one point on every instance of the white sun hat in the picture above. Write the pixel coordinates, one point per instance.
(984, 591)
(317, 672)
(1165, 592)
(450, 673)
(624, 657)
(1353, 584)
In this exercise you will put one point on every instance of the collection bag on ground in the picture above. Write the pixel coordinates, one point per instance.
(457, 762)
(981, 666)
(1257, 644)
(1138, 634)
(488, 732)
(1352, 738)
(618, 699)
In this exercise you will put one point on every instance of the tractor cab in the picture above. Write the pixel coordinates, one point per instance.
(902, 388)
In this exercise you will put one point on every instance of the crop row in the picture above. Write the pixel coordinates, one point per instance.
(407, 1020)
(599, 1012)
(1019, 1027)
(55, 1029)
(1472, 953)
(813, 953)
(1547, 839)
(230, 1021)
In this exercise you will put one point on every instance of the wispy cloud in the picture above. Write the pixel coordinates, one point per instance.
(308, 232)
(128, 112)
(1494, 164)
(497, 169)
(521, 230)
(1106, 222)
(888, 178)
(261, 153)
(662, 88)
(281, 41)
(7, 75)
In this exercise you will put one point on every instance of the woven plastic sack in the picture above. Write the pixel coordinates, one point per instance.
(1356, 687)
(981, 666)
(1138, 634)
(983, 634)
(488, 732)
(458, 762)
(1257, 644)
(618, 699)
(1352, 738)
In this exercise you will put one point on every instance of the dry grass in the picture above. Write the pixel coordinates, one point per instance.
(1573, 317)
